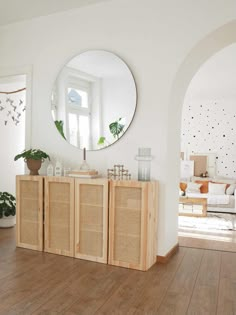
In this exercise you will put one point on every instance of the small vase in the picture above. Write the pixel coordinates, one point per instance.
(34, 166)
(144, 164)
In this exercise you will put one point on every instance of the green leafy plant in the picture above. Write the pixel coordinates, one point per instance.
(116, 128)
(59, 124)
(34, 154)
(101, 140)
(7, 204)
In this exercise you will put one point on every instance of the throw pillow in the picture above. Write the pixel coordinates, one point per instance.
(216, 189)
(204, 187)
(193, 187)
(183, 186)
(230, 190)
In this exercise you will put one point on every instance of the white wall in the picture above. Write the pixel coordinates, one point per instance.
(154, 38)
(12, 131)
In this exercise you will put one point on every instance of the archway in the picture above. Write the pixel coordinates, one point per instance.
(207, 47)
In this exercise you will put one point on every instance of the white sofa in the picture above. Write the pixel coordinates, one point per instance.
(222, 202)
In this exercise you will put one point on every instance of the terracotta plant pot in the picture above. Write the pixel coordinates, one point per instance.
(34, 166)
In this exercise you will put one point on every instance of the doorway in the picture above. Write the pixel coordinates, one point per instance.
(210, 45)
(15, 122)
(12, 128)
(208, 143)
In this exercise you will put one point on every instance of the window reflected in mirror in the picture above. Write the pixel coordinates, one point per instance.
(93, 100)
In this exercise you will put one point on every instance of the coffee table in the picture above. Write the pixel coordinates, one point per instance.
(191, 202)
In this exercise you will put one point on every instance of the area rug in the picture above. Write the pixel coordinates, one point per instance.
(213, 221)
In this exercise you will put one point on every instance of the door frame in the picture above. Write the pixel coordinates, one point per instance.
(27, 71)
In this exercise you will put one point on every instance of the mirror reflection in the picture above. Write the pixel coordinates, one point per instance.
(93, 100)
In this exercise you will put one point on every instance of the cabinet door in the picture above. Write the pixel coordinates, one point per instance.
(132, 213)
(59, 216)
(29, 212)
(91, 219)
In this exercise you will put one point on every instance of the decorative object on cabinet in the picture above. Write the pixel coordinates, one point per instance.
(85, 97)
(118, 173)
(66, 171)
(50, 170)
(84, 166)
(7, 209)
(91, 219)
(84, 174)
(58, 169)
(29, 212)
(33, 158)
(144, 164)
(59, 215)
(133, 224)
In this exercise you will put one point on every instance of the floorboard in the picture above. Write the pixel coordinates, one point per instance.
(224, 240)
(179, 293)
(206, 286)
(194, 282)
(227, 287)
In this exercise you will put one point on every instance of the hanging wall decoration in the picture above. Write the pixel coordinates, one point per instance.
(12, 106)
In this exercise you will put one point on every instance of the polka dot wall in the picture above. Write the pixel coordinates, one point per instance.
(210, 127)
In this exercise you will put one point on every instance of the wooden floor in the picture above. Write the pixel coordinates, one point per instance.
(195, 281)
(224, 240)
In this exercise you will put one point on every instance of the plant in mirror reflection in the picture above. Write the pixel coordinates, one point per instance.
(59, 124)
(116, 128)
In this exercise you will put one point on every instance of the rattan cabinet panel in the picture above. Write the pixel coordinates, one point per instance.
(59, 216)
(132, 224)
(91, 219)
(29, 212)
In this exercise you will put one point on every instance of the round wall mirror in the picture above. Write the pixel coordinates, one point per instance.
(94, 100)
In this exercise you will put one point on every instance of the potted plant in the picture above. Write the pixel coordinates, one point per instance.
(7, 209)
(33, 158)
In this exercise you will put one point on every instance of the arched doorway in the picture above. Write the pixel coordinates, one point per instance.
(211, 44)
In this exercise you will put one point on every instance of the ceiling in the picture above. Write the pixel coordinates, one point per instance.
(99, 63)
(12, 11)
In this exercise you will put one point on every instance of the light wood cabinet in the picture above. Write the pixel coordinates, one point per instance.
(91, 219)
(132, 224)
(29, 210)
(59, 216)
(69, 216)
